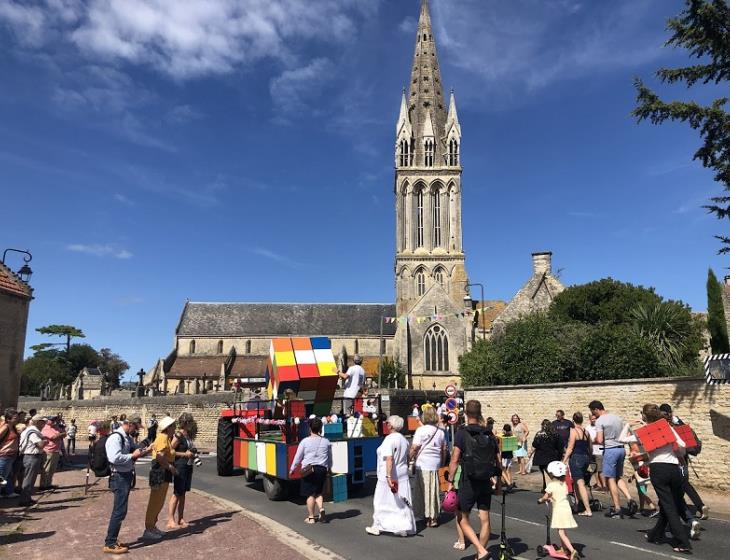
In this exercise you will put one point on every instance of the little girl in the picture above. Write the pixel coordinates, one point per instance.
(507, 460)
(557, 492)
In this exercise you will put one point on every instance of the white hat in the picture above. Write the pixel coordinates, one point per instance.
(557, 468)
(165, 423)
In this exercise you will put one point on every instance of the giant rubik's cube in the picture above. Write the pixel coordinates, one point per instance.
(305, 365)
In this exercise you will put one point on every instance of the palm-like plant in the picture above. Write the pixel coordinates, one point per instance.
(666, 326)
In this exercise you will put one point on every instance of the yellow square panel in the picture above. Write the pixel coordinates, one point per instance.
(271, 459)
(327, 369)
(284, 359)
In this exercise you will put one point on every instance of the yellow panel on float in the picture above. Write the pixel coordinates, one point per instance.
(271, 459)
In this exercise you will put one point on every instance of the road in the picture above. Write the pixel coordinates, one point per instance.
(598, 537)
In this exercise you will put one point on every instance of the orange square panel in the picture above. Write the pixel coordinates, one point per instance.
(281, 344)
(301, 343)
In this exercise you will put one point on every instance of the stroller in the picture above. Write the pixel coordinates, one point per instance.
(576, 505)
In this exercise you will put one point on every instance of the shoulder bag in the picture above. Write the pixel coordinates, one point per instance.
(309, 469)
(412, 464)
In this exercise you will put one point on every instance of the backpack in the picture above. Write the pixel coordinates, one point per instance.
(479, 460)
(99, 460)
(697, 449)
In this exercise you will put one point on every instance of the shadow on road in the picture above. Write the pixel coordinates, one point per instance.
(22, 537)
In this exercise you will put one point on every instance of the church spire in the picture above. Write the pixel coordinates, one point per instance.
(426, 100)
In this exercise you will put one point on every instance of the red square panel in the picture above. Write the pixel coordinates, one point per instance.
(308, 371)
(686, 434)
(290, 452)
(655, 435)
(287, 373)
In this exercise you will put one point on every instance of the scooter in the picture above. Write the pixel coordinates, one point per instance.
(550, 549)
(505, 552)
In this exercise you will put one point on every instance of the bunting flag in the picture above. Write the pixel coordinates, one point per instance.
(425, 318)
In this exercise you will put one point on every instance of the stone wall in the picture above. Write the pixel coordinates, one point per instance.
(13, 324)
(705, 407)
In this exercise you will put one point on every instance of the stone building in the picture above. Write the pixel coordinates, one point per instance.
(536, 295)
(90, 383)
(15, 297)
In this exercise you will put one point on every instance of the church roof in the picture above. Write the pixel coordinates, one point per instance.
(285, 319)
(196, 366)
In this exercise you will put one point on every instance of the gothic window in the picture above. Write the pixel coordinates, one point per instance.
(436, 349)
(248, 347)
(419, 218)
(220, 347)
(404, 153)
(436, 218)
(357, 346)
(453, 152)
(403, 222)
(420, 283)
(428, 156)
(192, 346)
(438, 275)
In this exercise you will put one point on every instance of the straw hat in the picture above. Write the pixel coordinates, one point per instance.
(165, 423)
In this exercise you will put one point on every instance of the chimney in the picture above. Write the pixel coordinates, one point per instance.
(727, 280)
(542, 263)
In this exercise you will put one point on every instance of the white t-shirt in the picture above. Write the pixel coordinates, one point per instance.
(396, 446)
(429, 457)
(29, 440)
(596, 448)
(353, 383)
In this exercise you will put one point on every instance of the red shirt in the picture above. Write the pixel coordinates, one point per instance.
(54, 443)
(8, 441)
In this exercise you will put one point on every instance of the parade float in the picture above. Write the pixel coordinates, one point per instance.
(261, 435)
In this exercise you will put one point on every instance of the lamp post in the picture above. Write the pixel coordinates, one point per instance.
(481, 312)
(25, 272)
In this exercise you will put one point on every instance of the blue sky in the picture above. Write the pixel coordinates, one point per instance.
(242, 150)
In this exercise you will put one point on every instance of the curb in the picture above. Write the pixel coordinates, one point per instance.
(285, 534)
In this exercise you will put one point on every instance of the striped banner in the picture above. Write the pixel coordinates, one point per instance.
(717, 369)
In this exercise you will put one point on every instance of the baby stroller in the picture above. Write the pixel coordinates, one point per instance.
(576, 505)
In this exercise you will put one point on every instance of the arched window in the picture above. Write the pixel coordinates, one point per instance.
(436, 217)
(419, 218)
(428, 155)
(405, 157)
(436, 349)
(220, 347)
(357, 346)
(248, 347)
(192, 346)
(438, 275)
(453, 152)
(420, 283)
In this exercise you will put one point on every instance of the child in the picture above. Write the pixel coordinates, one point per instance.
(557, 492)
(507, 461)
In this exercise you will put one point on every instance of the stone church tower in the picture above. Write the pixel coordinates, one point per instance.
(429, 265)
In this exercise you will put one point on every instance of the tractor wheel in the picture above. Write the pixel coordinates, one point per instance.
(275, 489)
(249, 475)
(541, 552)
(224, 450)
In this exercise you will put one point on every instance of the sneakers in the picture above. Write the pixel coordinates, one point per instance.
(614, 513)
(161, 533)
(632, 507)
(704, 513)
(151, 535)
(655, 514)
(694, 532)
(116, 549)
(372, 531)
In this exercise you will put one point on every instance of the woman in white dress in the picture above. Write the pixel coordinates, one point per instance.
(392, 511)
(428, 450)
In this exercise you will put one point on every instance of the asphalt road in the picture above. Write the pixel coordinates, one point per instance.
(598, 537)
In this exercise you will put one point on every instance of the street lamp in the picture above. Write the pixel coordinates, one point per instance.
(25, 272)
(467, 298)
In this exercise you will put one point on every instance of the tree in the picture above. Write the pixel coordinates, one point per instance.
(716, 320)
(62, 330)
(617, 352)
(392, 373)
(43, 367)
(703, 29)
(113, 365)
(669, 328)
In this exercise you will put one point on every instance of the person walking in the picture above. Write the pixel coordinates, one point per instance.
(578, 457)
(666, 477)
(597, 455)
(9, 440)
(562, 517)
(354, 380)
(428, 452)
(507, 457)
(31, 448)
(608, 431)
(521, 432)
(477, 452)
(52, 449)
(121, 455)
(562, 427)
(163, 456)
(392, 511)
(314, 454)
(182, 443)
(71, 437)
(546, 448)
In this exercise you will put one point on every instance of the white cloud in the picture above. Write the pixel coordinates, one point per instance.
(181, 114)
(408, 25)
(26, 21)
(293, 90)
(100, 250)
(276, 257)
(121, 199)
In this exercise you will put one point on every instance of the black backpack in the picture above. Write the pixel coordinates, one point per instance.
(697, 449)
(479, 460)
(99, 461)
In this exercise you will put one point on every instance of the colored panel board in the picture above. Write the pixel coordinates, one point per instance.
(291, 451)
(304, 357)
(271, 459)
(281, 344)
(655, 435)
(261, 456)
(323, 355)
(236, 453)
(284, 359)
(301, 343)
(282, 466)
(339, 457)
(305, 394)
(287, 373)
(322, 408)
(308, 371)
(369, 455)
(244, 454)
(321, 343)
(252, 462)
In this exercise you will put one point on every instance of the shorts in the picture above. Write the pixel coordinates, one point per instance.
(475, 493)
(313, 484)
(613, 462)
(599, 463)
(183, 480)
(506, 462)
(578, 465)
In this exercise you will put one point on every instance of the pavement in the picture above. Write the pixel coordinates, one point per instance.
(66, 524)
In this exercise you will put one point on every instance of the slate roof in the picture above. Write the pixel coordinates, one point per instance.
(10, 283)
(285, 319)
(196, 366)
(248, 366)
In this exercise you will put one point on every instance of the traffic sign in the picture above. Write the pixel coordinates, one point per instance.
(451, 404)
(451, 390)
(453, 417)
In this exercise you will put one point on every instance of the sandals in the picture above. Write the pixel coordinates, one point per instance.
(681, 550)
(458, 545)
(322, 516)
(309, 520)
(585, 514)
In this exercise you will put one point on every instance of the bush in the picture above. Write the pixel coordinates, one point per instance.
(617, 352)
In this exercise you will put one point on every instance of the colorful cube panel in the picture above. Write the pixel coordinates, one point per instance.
(321, 343)
(271, 459)
(301, 343)
(284, 359)
(243, 457)
(282, 465)
(261, 456)
(290, 452)
(281, 345)
(252, 456)
(339, 457)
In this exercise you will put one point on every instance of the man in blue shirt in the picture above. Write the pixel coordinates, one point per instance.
(121, 454)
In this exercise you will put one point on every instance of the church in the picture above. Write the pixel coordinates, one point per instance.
(434, 319)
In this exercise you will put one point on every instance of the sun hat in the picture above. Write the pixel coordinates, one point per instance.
(557, 468)
(451, 502)
(165, 423)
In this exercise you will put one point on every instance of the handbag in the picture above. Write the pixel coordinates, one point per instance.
(412, 463)
(309, 469)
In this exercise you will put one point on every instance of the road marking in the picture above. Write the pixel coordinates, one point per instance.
(524, 521)
(648, 551)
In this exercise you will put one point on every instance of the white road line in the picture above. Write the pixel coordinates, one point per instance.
(649, 551)
(525, 521)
